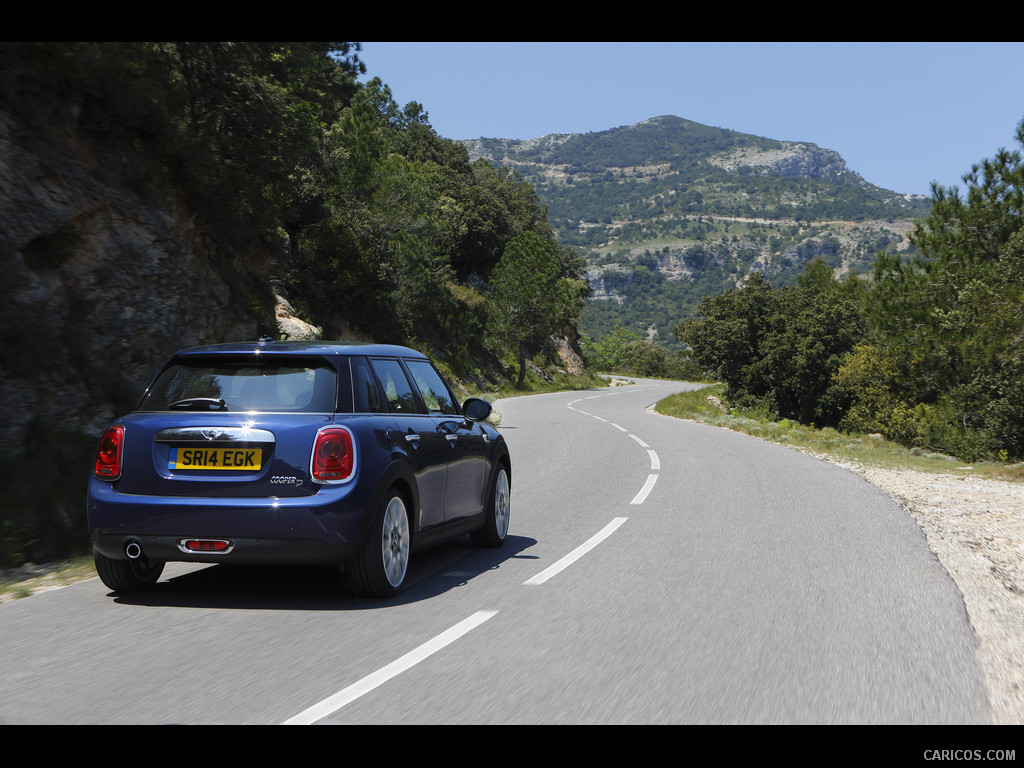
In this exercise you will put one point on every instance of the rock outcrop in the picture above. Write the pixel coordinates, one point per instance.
(100, 284)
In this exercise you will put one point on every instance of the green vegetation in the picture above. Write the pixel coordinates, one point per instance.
(543, 375)
(367, 217)
(625, 351)
(780, 348)
(929, 352)
(532, 293)
(705, 406)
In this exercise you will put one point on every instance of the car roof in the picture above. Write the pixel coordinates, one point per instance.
(301, 348)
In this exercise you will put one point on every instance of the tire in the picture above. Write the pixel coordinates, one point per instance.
(499, 508)
(127, 575)
(378, 571)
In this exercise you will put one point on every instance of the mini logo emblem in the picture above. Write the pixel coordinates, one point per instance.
(212, 434)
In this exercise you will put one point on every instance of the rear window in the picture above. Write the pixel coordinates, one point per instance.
(298, 385)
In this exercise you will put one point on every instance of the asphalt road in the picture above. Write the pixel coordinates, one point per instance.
(657, 571)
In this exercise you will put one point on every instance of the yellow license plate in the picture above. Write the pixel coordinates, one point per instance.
(216, 458)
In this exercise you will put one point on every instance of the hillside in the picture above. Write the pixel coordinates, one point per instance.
(669, 210)
(158, 195)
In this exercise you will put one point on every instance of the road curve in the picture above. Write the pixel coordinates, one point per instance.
(750, 584)
(656, 571)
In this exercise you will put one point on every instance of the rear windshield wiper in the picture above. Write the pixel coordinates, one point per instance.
(200, 403)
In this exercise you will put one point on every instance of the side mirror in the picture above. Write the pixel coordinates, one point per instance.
(475, 409)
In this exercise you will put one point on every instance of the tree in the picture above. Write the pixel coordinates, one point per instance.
(530, 298)
(952, 316)
(726, 333)
(867, 378)
(608, 353)
(779, 349)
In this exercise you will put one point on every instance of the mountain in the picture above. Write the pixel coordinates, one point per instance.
(669, 210)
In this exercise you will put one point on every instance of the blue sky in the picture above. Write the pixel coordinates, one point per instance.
(901, 114)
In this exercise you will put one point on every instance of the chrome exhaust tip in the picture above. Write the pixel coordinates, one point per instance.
(133, 550)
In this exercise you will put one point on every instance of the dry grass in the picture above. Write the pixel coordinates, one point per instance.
(31, 579)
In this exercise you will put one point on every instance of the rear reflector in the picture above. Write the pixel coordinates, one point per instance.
(205, 545)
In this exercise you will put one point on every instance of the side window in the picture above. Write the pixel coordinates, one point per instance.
(433, 390)
(397, 391)
(364, 388)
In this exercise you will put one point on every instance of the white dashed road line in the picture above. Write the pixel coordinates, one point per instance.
(332, 704)
(648, 487)
(347, 695)
(577, 553)
(655, 461)
(641, 442)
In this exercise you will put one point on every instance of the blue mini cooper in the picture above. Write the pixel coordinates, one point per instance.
(295, 453)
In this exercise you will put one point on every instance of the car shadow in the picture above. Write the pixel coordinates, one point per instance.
(432, 571)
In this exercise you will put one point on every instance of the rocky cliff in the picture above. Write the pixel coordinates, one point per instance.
(100, 282)
(791, 159)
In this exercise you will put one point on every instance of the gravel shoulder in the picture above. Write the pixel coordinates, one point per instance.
(975, 527)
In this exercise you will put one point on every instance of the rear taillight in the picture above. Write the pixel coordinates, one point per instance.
(334, 456)
(108, 455)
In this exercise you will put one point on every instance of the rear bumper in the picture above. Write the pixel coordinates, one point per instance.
(264, 551)
(324, 529)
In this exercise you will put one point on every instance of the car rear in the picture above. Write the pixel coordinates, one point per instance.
(235, 453)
